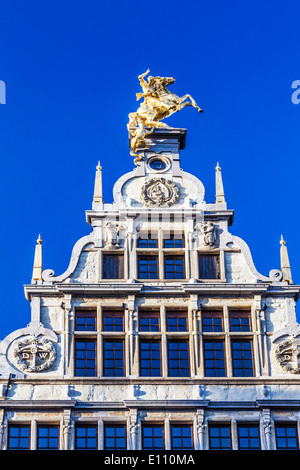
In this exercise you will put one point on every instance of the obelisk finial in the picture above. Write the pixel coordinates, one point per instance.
(284, 262)
(38, 261)
(98, 196)
(220, 197)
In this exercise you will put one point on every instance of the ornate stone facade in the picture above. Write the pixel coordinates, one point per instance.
(160, 325)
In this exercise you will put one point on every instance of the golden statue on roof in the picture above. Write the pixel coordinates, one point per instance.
(158, 104)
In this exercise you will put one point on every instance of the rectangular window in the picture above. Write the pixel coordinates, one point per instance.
(149, 321)
(115, 437)
(214, 358)
(212, 322)
(286, 437)
(174, 267)
(150, 358)
(248, 437)
(85, 320)
(18, 437)
(242, 358)
(47, 437)
(240, 321)
(178, 358)
(112, 266)
(181, 437)
(209, 267)
(147, 243)
(113, 321)
(113, 358)
(175, 241)
(153, 437)
(219, 437)
(86, 437)
(148, 267)
(85, 358)
(176, 321)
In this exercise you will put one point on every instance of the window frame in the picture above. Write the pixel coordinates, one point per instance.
(85, 426)
(214, 358)
(120, 265)
(148, 257)
(114, 425)
(219, 426)
(189, 426)
(85, 314)
(153, 426)
(168, 257)
(248, 437)
(105, 341)
(18, 437)
(85, 340)
(285, 425)
(150, 341)
(178, 358)
(243, 358)
(217, 266)
(48, 437)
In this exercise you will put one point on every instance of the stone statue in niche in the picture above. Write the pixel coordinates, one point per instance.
(209, 233)
(112, 235)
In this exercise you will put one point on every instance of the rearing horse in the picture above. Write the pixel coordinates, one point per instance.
(158, 104)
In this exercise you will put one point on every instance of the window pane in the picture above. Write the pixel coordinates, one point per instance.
(113, 358)
(212, 322)
(181, 437)
(85, 321)
(214, 358)
(113, 266)
(153, 438)
(176, 322)
(219, 437)
(86, 437)
(286, 437)
(248, 436)
(47, 438)
(147, 267)
(150, 364)
(113, 322)
(240, 321)
(85, 358)
(178, 358)
(242, 358)
(174, 267)
(18, 437)
(115, 437)
(209, 267)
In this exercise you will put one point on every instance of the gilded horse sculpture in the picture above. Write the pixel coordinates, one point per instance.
(158, 104)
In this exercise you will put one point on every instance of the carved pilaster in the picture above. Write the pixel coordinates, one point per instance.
(201, 425)
(133, 428)
(67, 426)
(267, 424)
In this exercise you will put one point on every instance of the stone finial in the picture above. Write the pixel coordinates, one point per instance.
(98, 196)
(38, 261)
(220, 197)
(284, 262)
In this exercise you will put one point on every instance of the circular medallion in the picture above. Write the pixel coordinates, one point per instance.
(159, 192)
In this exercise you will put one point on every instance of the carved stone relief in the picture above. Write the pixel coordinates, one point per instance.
(159, 192)
(287, 354)
(34, 353)
(208, 233)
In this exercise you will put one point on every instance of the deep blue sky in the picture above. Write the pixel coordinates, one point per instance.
(70, 70)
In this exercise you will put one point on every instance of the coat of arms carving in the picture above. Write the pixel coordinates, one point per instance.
(34, 354)
(287, 355)
(159, 192)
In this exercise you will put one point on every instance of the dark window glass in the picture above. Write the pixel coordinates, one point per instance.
(85, 321)
(86, 437)
(113, 321)
(148, 267)
(147, 243)
(153, 437)
(85, 358)
(212, 322)
(113, 266)
(214, 358)
(115, 437)
(219, 437)
(181, 437)
(286, 437)
(149, 322)
(174, 267)
(157, 164)
(150, 362)
(248, 437)
(209, 267)
(240, 321)
(47, 437)
(18, 437)
(114, 364)
(176, 322)
(174, 241)
(178, 358)
(242, 358)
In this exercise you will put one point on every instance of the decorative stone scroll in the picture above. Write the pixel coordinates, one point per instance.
(159, 192)
(287, 354)
(34, 353)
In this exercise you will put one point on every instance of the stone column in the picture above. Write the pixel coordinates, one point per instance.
(201, 428)
(267, 425)
(67, 425)
(133, 423)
